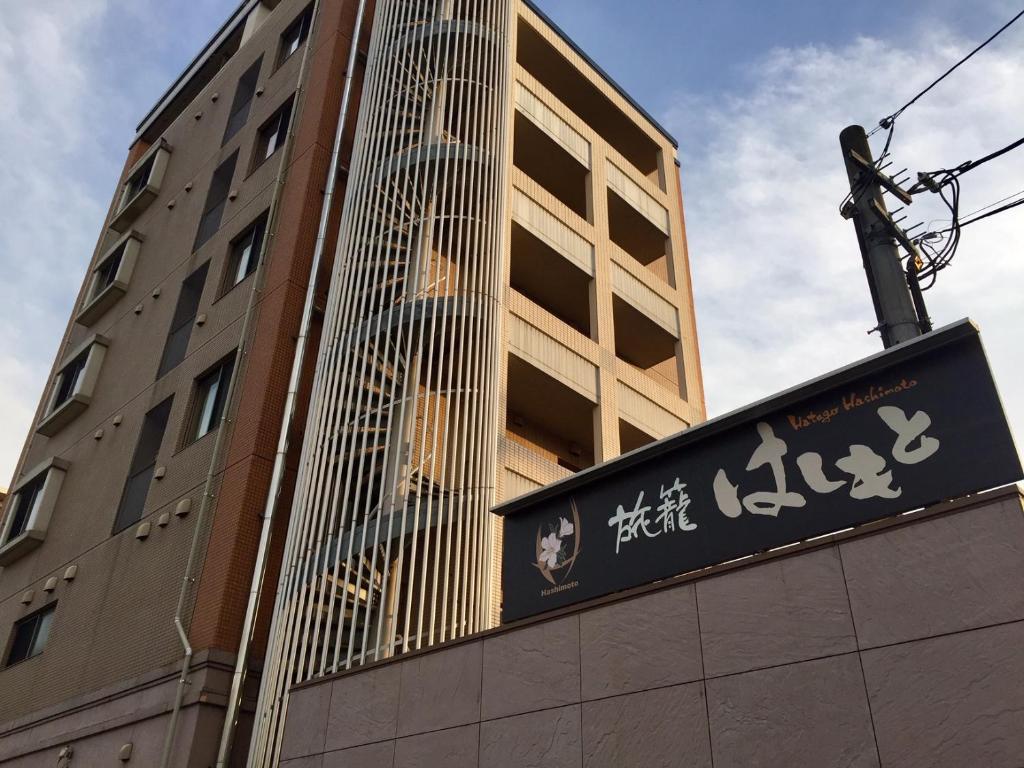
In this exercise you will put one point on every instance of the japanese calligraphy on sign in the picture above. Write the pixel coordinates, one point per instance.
(915, 425)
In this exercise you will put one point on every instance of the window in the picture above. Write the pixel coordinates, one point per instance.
(29, 508)
(141, 187)
(140, 473)
(22, 506)
(295, 35)
(181, 323)
(73, 386)
(137, 181)
(245, 253)
(211, 397)
(272, 134)
(243, 100)
(216, 200)
(67, 381)
(110, 278)
(104, 274)
(30, 635)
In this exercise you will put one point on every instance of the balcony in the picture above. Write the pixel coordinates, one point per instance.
(638, 224)
(548, 417)
(631, 438)
(580, 94)
(548, 163)
(645, 344)
(547, 279)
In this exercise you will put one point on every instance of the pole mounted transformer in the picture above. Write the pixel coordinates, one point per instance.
(899, 306)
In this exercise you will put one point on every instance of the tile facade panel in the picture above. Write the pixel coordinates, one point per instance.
(307, 723)
(949, 702)
(451, 748)
(785, 685)
(364, 708)
(950, 573)
(312, 761)
(546, 739)
(647, 642)
(367, 756)
(440, 690)
(809, 714)
(662, 728)
(788, 610)
(533, 668)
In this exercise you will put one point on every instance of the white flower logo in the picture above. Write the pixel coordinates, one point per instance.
(558, 546)
(550, 547)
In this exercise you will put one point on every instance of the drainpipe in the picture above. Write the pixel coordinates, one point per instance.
(298, 360)
(188, 579)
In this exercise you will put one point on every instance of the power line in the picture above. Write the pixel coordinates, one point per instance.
(970, 165)
(886, 122)
(1006, 207)
(997, 202)
(938, 259)
(935, 180)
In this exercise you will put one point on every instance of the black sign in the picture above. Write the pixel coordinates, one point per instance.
(916, 424)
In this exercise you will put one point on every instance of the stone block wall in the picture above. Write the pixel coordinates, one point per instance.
(899, 644)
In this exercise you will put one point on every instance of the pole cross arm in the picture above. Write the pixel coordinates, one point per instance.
(885, 181)
(896, 231)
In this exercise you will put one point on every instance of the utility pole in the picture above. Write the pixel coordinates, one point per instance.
(878, 235)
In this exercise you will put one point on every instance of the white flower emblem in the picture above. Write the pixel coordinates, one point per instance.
(567, 528)
(550, 546)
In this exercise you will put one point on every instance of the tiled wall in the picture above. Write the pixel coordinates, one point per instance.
(902, 647)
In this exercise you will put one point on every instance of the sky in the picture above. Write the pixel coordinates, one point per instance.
(756, 94)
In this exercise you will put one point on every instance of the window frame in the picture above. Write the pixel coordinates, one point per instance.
(223, 369)
(59, 414)
(257, 230)
(136, 194)
(42, 616)
(15, 545)
(282, 116)
(304, 24)
(98, 300)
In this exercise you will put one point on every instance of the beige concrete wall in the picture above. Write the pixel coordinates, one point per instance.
(661, 401)
(899, 644)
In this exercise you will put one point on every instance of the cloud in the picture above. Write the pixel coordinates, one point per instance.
(76, 75)
(781, 295)
(50, 217)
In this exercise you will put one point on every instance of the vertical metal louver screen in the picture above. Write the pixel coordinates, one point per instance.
(390, 539)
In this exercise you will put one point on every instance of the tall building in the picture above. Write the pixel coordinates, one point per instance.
(347, 297)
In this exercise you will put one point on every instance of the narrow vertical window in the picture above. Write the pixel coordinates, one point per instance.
(216, 200)
(30, 635)
(74, 386)
(272, 134)
(295, 35)
(29, 508)
(181, 324)
(211, 398)
(140, 473)
(24, 502)
(110, 278)
(245, 254)
(137, 182)
(67, 380)
(243, 100)
(104, 274)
